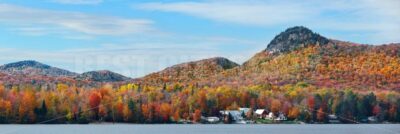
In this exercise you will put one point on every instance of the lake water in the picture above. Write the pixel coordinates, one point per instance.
(201, 129)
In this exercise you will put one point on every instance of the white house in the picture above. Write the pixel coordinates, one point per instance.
(261, 113)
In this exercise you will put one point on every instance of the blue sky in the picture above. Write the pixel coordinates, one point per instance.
(138, 37)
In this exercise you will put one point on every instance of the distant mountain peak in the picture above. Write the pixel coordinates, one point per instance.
(103, 71)
(294, 38)
(102, 76)
(24, 64)
(31, 67)
(220, 61)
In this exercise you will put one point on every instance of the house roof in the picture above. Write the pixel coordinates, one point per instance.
(260, 111)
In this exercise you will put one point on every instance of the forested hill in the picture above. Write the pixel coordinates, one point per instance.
(101, 76)
(295, 55)
(338, 65)
(299, 55)
(190, 71)
(32, 68)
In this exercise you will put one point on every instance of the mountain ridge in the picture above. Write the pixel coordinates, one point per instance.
(311, 58)
(191, 70)
(101, 76)
(31, 70)
(31, 67)
(296, 54)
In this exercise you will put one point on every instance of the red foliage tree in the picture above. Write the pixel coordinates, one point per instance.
(94, 102)
(197, 115)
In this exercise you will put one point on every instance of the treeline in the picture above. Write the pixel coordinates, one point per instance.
(134, 103)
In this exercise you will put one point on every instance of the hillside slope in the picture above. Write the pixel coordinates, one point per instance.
(101, 76)
(191, 71)
(32, 68)
(332, 64)
(297, 55)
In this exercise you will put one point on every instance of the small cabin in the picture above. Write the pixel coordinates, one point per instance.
(260, 113)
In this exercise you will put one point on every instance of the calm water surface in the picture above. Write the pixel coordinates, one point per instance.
(201, 129)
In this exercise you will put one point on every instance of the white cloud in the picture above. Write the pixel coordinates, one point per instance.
(377, 20)
(133, 59)
(39, 21)
(78, 2)
(253, 13)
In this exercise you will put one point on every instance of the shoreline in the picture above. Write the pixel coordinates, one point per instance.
(208, 124)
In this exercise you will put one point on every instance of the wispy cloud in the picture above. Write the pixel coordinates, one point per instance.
(40, 21)
(78, 2)
(132, 59)
(245, 12)
(380, 18)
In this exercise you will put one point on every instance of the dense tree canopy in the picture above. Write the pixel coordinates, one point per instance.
(149, 104)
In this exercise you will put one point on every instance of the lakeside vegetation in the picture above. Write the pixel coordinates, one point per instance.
(133, 103)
